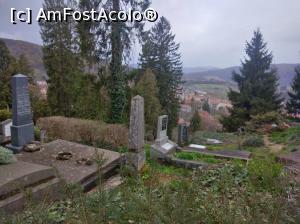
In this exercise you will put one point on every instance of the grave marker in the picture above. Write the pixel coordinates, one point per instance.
(183, 134)
(5, 129)
(22, 124)
(163, 146)
(137, 155)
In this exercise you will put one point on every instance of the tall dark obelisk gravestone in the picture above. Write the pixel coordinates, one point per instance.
(22, 131)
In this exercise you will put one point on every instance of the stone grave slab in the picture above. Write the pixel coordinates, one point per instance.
(227, 154)
(197, 146)
(17, 177)
(213, 141)
(70, 170)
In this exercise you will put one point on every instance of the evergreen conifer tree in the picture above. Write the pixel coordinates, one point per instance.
(6, 63)
(293, 105)
(24, 68)
(120, 39)
(60, 59)
(195, 122)
(160, 54)
(257, 84)
(111, 41)
(206, 106)
(147, 88)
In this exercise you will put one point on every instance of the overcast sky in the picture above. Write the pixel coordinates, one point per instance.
(211, 32)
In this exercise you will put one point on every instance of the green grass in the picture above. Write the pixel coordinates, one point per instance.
(197, 157)
(290, 136)
(233, 193)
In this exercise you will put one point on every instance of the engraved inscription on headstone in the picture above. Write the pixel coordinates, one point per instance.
(164, 124)
(22, 128)
(21, 101)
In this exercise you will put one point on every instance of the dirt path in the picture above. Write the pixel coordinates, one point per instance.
(274, 148)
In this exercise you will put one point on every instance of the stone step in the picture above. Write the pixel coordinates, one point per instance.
(45, 192)
(109, 171)
(20, 175)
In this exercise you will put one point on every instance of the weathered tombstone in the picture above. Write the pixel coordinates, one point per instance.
(43, 136)
(22, 125)
(137, 156)
(163, 146)
(5, 129)
(162, 128)
(183, 134)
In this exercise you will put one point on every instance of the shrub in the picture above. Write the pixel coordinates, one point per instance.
(264, 174)
(262, 123)
(254, 141)
(37, 133)
(90, 132)
(4, 115)
(6, 156)
(195, 122)
(200, 137)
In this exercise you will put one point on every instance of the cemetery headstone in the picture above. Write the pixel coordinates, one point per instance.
(183, 134)
(137, 156)
(43, 136)
(163, 146)
(22, 125)
(5, 130)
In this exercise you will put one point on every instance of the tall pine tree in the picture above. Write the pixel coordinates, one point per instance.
(121, 41)
(23, 67)
(161, 54)
(6, 70)
(257, 84)
(293, 105)
(111, 41)
(147, 88)
(60, 59)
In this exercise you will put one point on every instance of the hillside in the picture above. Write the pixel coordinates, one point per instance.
(191, 74)
(286, 73)
(33, 52)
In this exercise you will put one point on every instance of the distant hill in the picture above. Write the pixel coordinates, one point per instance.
(33, 52)
(286, 73)
(199, 69)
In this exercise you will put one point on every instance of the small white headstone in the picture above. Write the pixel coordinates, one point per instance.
(6, 126)
(197, 146)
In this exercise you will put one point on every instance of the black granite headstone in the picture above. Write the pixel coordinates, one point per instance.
(183, 135)
(22, 125)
